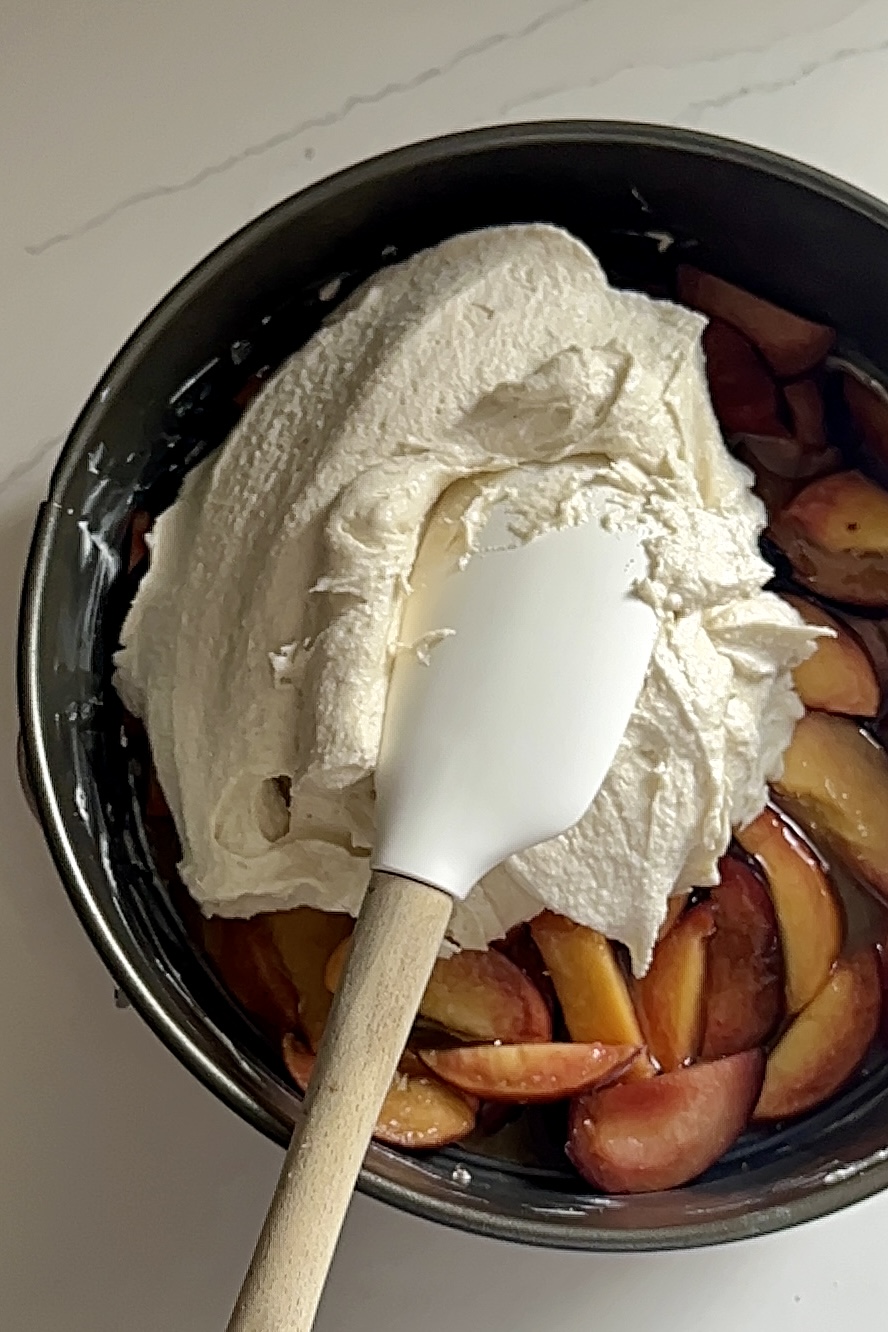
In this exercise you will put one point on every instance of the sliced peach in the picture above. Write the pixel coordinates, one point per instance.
(868, 405)
(845, 512)
(529, 1073)
(590, 985)
(826, 1043)
(247, 960)
(744, 972)
(486, 997)
(305, 938)
(419, 1112)
(477, 994)
(790, 344)
(643, 1136)
(783, 467)
(744, 396)
(810, 916)
(835, 777)
(669, 999)
(839, 676)
(835, 536)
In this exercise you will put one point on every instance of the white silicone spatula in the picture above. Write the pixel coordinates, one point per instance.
(497, 736)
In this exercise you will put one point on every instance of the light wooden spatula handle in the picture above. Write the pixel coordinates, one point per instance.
(395, 943)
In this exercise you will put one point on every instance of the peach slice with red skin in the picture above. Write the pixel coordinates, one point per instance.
(810, 916)
(246, 958)
(835, 535)
(835, 781)
(839, 676)
(477, 994)
(640, 1137)
(305, 938)
(744, 969)
(826, 1043)
(419, 1112)
(590, 985)
(744, 396)
(529, 1073)
(790, 344)
(669, 998)
(481, 994)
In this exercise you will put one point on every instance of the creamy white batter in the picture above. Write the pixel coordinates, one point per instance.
(258, 648)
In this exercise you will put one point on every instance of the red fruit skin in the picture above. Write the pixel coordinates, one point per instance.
(744, 981)
(640, 1137)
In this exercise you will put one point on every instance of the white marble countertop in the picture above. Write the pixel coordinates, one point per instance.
(133, 138)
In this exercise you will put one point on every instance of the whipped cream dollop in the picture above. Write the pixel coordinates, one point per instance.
(259, 646)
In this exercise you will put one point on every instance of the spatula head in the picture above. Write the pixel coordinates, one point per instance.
(512, 690)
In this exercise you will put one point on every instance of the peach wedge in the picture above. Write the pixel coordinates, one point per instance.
(835, 535)
(529, 1073)
(790, 344)
(826, 1043)
(810, 915)
(669, 999)
(744, 973)
(246, 958)
(839, 676)
(478, 994)
(481, 994)
(590, 985)
(419, 1112)
(835, 780)
(744, 396)
(305, 938)
(643, 1136)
